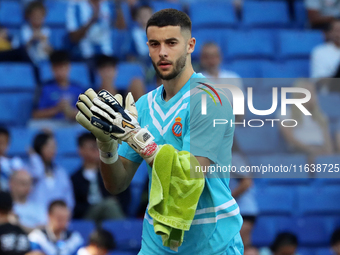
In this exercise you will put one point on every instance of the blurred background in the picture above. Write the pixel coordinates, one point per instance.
(52, 50)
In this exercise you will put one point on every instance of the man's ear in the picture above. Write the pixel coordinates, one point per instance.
(191, 45)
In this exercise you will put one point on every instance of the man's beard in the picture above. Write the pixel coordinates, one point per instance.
(178, 68)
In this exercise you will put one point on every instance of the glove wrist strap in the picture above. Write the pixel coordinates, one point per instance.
(142, 141)
(108, 151)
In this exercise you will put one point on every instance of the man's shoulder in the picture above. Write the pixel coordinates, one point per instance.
(143, 100)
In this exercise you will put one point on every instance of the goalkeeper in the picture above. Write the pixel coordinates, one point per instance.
(162, 117)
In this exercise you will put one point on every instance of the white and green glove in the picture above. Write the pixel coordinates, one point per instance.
(110, 116)
(107, 143)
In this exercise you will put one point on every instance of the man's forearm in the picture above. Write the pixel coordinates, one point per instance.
(115, 177)
(77, 35)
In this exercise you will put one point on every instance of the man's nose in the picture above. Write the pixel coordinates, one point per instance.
(163, 51)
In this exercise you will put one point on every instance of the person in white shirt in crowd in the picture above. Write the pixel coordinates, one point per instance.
(322, 12)
(89, 25)
(34, 34)
(311, 135)
(141, 15)
(325, 60)
(51, 181)
(210, 61)
(101, 243)
(30, 215)
(55, 238)
(7, 165)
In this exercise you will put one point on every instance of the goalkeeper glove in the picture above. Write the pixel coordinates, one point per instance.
(107, 144)
(110, 116)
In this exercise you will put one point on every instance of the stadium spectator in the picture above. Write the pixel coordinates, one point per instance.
(30, 215)
(325, 59)
(101, 242)
(51, 181)
(241, 186)
(5, 42)
(141, 15)
(322, 12)
(34, 34)
(13, 240)
(7, 165)
(55, 238)
(106, 68)
(311, 136)
(58, 96)
(210, 61)
(284, 243)
(88, 23)
(92, 199)
(335, 242)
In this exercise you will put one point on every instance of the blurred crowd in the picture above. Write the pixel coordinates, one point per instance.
(40, 197)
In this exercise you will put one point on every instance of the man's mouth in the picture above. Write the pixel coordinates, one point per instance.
(164, 64)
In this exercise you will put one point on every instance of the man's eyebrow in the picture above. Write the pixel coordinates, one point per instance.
(166, 40)
(171, 39)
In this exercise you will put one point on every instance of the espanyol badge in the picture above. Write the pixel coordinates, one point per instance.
(177, 127)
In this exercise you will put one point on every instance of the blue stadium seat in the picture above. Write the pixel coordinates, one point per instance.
(16, 77)
(56, 13)
(211, 14)
(324, 251)
(282, 70)
(267, 227)
(300, 12)
(253, 140)
(126, 72)
(253, 44)
(79, 73)
(58, 38)
(265, 14)
(330, 105)
(291, 177)
(21, 141)
(69, 164)
(274, 200)
(307, 40)
(127, 233)
(204, 36)
(11, 13)
(122, 42)
(15, 108)
(330, 163)
(306, 251)
(246, 68)
(84, 227)
(315, 231)
(67, 140)
(157, 6)
(319, 200)
(137, 186)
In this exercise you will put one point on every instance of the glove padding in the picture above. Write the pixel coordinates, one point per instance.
(110, 116)
(107, 143)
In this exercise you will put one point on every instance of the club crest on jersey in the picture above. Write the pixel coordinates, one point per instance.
(177, 127)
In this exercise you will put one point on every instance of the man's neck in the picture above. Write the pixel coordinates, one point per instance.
(57, 234)
(63, 83)
(172, 86)
(19, 199)
(3, 218)
(213, 72)
(90, 165)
